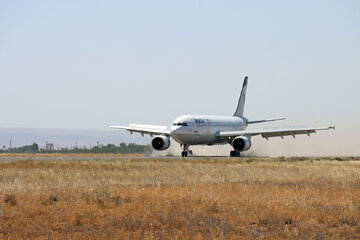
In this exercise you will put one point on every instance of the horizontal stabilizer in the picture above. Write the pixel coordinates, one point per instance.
(265, 120)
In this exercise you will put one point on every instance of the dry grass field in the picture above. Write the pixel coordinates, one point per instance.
(198, 198)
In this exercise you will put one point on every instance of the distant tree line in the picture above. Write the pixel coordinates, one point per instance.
(34, 148)
(109, 148)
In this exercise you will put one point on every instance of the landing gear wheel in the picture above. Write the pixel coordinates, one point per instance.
(190, 153)
(234, 154)
(185, 151)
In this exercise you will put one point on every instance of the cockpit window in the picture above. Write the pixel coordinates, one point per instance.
(180, 124)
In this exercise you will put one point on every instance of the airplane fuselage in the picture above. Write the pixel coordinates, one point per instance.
(202, 129)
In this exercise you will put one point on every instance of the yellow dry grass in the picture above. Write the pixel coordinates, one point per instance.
(205, 198)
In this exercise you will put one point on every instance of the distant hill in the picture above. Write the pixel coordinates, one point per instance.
(66, 137)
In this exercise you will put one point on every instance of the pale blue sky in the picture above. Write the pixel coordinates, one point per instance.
(86, 64)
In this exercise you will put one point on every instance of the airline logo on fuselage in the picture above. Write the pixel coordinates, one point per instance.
(202, 121)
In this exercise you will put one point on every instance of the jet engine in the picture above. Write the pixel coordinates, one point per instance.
(241, 143)
(160, 143)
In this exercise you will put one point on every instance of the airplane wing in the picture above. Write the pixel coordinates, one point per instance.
(272, 133)
(144, 129)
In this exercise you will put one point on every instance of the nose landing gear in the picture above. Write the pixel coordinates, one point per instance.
(186, 152)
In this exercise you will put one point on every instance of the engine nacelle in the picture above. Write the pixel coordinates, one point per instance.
(160, 143)
(241, 143)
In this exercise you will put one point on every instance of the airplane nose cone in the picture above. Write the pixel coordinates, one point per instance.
(174, 129)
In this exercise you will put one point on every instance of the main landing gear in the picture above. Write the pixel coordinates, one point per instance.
(234, 153)
(186, 152)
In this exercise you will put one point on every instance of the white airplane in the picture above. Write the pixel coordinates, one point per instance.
(209, 130)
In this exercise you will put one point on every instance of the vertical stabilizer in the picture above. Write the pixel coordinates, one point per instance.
(240, 108)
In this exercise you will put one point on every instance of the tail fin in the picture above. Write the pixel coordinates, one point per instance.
(240, 108)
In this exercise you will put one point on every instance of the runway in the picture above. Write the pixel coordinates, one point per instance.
(103, 157)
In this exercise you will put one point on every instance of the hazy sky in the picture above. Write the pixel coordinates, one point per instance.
(86, 64)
